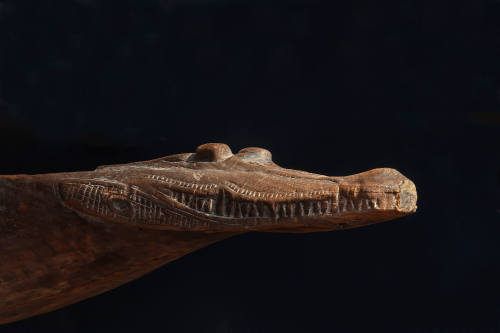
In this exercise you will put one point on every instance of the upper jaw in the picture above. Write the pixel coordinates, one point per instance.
(309, 204)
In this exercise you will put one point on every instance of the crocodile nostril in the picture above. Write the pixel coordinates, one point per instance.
(256, 155)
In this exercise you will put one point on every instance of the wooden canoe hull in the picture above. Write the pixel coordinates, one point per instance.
(50, 257)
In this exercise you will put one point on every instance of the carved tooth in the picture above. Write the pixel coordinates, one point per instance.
(243, 209)
(310, 211)
(189, 199)
(249, 209)
(264, 210)
(254, 212)
(174, 195)
(283, 208)
(301, 209)
(200, 202)
(276, 209)
(260, 208)
(327, 206)
(291, 209)
(343, 204)
(318, 207)
(210, 206)
(237, 210)
(192, 200)
(233, 205)
(368, 204)
(221, 206)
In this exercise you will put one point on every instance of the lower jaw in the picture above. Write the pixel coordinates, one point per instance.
(340, 221)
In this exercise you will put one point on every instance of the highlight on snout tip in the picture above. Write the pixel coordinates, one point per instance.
(407, 198)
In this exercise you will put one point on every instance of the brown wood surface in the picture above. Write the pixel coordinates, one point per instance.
(69, 236)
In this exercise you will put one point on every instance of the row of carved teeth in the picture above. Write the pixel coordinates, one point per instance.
(182, 183)
(273, 195)
(363, 204)
(199, 203)
(90, 196)
(225, 206)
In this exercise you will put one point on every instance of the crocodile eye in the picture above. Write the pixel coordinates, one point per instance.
(120, 205)
(255, 155)
(212, 152)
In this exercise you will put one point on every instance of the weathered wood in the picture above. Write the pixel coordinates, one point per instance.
(65, 237)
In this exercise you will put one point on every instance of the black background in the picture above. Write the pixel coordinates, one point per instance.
(333, 87)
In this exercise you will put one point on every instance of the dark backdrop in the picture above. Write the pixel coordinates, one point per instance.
(88, 82)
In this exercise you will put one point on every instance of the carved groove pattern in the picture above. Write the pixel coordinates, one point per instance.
(131, 203)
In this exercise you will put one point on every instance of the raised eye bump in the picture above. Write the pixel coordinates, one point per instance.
(120, 205)
(256, 155)
(213, 152)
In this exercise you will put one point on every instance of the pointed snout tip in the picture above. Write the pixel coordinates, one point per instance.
(407, 197)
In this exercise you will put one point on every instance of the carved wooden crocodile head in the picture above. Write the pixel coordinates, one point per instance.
(214, 190)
